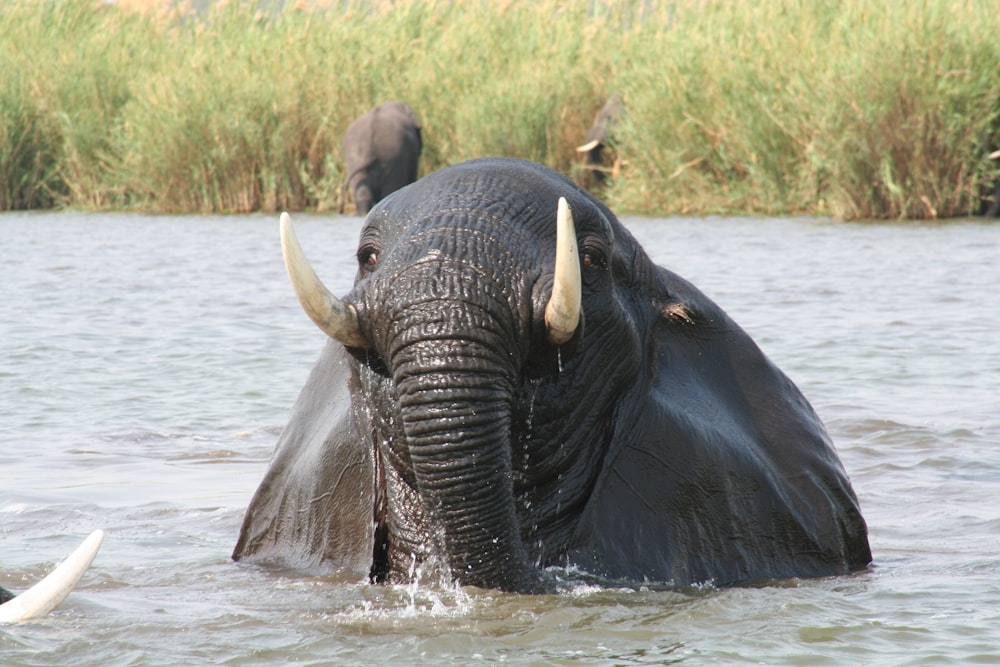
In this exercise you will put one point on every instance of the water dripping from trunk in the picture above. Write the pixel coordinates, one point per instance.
(531, 407)
(413, 586)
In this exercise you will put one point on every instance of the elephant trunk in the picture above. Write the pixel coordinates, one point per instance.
(456, 414)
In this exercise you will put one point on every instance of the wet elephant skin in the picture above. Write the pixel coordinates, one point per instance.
(658, 444)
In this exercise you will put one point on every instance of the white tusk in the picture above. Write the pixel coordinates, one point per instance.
(46, 595)
(562, 313)
(589, 146)
(335, 318)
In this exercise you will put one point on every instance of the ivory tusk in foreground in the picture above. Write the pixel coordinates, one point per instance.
(44, 596)
(562, 312)
(335, 318)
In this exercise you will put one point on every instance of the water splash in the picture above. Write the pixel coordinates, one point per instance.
(413, 586)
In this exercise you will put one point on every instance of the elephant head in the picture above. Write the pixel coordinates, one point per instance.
(494, 400)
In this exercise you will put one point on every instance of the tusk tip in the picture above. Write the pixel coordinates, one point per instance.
(94, 540)
(44, 596)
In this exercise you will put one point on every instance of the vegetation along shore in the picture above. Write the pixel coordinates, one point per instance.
(849, 108)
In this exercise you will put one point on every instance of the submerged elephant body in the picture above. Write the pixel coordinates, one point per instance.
(471, 426)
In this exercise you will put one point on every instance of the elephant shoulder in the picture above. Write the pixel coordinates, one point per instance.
(313, 510)
(720, 469)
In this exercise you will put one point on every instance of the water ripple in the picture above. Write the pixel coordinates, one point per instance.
(148, 363)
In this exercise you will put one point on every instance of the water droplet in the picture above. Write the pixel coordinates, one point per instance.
(531, 408)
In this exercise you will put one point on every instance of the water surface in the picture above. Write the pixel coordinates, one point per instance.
(147, 364)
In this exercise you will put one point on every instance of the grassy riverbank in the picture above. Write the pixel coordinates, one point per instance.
(848, 107)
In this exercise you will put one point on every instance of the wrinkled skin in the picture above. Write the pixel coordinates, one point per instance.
(658, 444)
(381, 149)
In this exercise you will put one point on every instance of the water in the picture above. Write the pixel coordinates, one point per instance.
(147, 365)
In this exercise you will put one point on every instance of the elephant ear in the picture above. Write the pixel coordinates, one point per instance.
(720, 469)
(314, 509)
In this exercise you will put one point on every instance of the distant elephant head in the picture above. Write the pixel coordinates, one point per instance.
(381, 150)
(511, 384)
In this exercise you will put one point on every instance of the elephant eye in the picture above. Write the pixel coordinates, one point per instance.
(368, 256)
(592, 257)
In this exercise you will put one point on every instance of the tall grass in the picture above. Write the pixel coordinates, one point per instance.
(842, 107)
(856, 108)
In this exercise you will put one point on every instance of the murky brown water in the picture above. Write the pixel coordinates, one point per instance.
(148, 363)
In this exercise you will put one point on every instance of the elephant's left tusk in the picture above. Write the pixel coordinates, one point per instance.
(562, 313)
(336, 318)
(46, 595)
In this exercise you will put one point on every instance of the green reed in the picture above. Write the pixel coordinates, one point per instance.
(845, 107)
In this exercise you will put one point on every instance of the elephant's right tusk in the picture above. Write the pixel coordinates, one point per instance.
(335, 318)
(46, 595)
(562, 313)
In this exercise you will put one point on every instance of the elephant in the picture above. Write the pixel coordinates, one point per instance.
(512, 387)
(598, 138)
(381, 149)
(991, 205)
(46, 595)
(992, 210)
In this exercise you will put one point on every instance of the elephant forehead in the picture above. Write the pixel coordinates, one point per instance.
(521, 215)
(473, 237)
(435, 278)
(490, 210)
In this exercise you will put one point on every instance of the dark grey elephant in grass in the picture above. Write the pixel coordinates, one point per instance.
(381, 149)
(992, 208)
(601, 137)
(512, 385)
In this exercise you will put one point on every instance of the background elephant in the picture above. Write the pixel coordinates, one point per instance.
(381, 149)
(489, 405)
(992, 208)
(599, 137)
